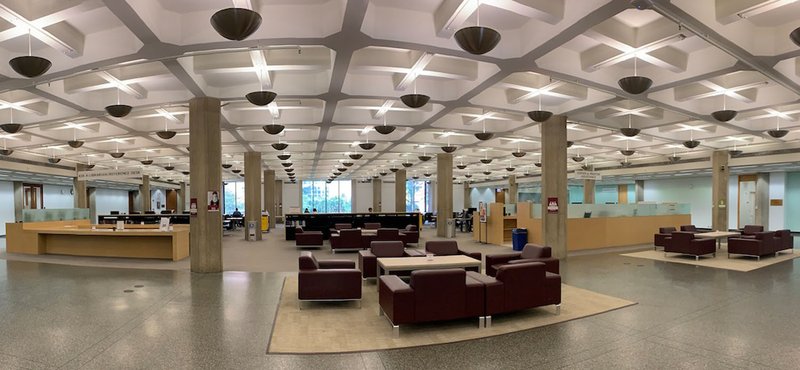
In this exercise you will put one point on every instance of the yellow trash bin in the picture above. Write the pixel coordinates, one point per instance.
(264, 223)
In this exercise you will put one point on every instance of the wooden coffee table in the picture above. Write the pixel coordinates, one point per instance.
(388, 264)
(719, 235)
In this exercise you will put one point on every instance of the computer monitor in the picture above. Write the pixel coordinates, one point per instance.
(587, 214)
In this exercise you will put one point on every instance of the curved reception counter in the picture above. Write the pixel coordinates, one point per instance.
(80, 238)
(589, 226)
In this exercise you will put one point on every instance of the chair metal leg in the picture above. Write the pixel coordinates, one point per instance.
(758, 258)
(396, 330)
(488, 322)
(299, 305)
(558, 309)
(481, 322)
(696, 258)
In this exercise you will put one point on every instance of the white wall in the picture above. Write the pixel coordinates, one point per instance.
(55, 196)
(363, 197)
(156, 196)
(291, 197)
(387, 197)
(696, 191)
(6, 204)
(458, 197)
(107, 200)
(777, 190)
(481, 194)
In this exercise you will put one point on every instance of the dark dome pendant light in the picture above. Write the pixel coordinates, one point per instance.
(540, 115)
(166, 134)
(415, 100)
(385, 130)
(11, 127)
(261, 97)
(236, 24)
(630, 131)
(725, 114)
(476, 39)
(29, 65)
(118, 110)
(5, 151)
(273, 129)
(284, 157)
(518, 153)
(635, 84)
(483, 136)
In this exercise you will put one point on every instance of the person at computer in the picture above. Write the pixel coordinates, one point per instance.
(306, 211)
(236, 213)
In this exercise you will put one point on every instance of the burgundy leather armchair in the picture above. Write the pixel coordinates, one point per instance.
(785, 241)
(372, 225)
(431, 295)
(749, 231)
(305, 238)
(368, 259)
(410, 235)
(530, 253)
(760, 244)
(450, 248)
(340, 226)
(518, 287)
(689, 229)
(662, 238)
(684, 242)
(346, 239)
(387, 234)
(327, 280)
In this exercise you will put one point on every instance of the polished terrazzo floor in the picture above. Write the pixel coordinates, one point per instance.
(61, 316)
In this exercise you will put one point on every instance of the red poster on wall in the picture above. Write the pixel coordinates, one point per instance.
(193, 206)
(552, 205)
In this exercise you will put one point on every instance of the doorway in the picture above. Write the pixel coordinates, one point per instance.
(747, 200)
(33, 196)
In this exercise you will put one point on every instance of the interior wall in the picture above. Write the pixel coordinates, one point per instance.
(777, 190)
(458, 197)
(363, 195)
(387, 197)
(696, 191)
(606, 194)
(158, 200)
(733, 202)
(6, 204)
(792, 201)
(483, 194)
(56, 196)
(291, 197)
(107, 200)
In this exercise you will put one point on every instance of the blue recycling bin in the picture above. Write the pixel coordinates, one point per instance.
(519, 237)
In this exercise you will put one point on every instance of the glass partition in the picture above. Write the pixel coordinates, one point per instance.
(627, 210)
(64, 214)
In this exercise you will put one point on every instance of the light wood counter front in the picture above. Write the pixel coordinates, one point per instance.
(78, 239)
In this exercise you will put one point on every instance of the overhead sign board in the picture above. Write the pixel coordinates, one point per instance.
(109, 174)
(588, 175)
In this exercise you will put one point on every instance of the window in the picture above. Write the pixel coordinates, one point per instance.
(416, 196)
(334, 197)
(233, 197)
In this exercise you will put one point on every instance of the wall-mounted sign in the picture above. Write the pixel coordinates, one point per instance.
(482, 212)
(552, 205)
(587, 175)
(213, 201)
(776, 202)
(193, 206)
(108, 174)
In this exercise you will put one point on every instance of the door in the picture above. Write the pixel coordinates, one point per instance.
(747, 200)
(32, 196)
(622, 194)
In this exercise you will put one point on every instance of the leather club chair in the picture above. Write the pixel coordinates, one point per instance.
(450, 248)
(519, 286)
(368, 259)
(340, 226)
(431, 295)
(385, 234)
(347, 239)
(684, 242)
(307, 238)
(372, 225)
(410, 235)
(327, 280)
(749, 231)
(689, 229)
(760, 244)
(530, 253)
(662, 238)
(785, 241)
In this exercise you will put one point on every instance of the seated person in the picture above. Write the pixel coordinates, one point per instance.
(306, 211)
(236, 213)
(369, 210)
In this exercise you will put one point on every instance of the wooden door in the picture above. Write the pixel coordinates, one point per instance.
(622, 191)
(172, 200)
(33, 198)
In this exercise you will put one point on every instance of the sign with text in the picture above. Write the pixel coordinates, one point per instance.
(108, 174)
(552, 205)
(482, 212)
(587, 175)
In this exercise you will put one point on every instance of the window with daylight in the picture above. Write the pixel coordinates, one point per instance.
(334, 197)
(416, 196)
(233, 197)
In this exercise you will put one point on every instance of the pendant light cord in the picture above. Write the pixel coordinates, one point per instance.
(29, 42)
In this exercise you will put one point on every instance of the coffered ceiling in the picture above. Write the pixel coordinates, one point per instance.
(339, 68)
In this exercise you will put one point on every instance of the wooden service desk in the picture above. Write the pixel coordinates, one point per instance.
(77, 238)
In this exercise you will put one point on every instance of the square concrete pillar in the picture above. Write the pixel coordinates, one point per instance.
(252, 193)
(512, 189)
(719, 190)
(181, 199)
(554, 184)
(144, 194)
(444, 192)
(79, 188)
(467, 197)
(91, 198)
(639, 191)
(270, 195)
(19, 200)
(400, 191)
(588, 191)
(278, 200)
(376, 195)
(205, 138)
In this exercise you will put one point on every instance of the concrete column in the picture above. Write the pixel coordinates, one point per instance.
(444, 192)
(181, 207)
(467, 197)
(639, 191)
(92, 203)
(376, 195)
(144, 193)
(270, 196)
(79, 188)
(588, 191)
(300, 196)
(512, 189)
(554, 183)
(205, 243)
(400, 191)
(762, 200)
(353, 200)
(719, 190)
(19, 201)
(278, 199)
(252, 193)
